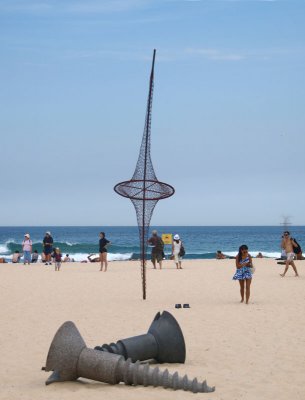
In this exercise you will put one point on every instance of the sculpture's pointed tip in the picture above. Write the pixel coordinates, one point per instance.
(54, 377)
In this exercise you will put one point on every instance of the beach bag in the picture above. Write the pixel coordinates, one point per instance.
(182, 251)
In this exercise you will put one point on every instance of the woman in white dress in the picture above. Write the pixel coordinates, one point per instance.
(176, 247)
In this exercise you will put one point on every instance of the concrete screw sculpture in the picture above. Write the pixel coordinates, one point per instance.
(163, 342)
(70, 358)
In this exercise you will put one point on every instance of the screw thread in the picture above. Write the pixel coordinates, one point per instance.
(138, 374)
(109, 348)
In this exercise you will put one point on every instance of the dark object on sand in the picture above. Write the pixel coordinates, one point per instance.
(144, 189)
(164, 342)
(69, 358)
(178, 305)
(186, 306)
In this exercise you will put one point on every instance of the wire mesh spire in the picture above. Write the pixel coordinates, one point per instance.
(144, 189)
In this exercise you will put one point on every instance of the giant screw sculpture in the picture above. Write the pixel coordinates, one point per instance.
(164, 342)
(70, 358)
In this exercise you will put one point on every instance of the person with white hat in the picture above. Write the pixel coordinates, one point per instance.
(48, 247)
(176, 251)
(27, 249)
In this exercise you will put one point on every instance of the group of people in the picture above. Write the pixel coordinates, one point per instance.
(48, 254)
(244, 264)
(157, 252)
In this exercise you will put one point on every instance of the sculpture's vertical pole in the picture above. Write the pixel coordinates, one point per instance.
(148, 124)
(144, 189)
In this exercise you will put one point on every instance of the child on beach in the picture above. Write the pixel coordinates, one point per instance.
(243, 272)
(57, 257)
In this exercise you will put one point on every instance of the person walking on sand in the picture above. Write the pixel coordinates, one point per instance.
(157, 250)
(243, 272)
(57, 258)
(27, 249)
(176, 247)
(48, 247)
(103, 243)
(288, 244)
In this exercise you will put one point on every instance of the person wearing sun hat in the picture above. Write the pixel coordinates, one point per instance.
(48, 247)
(27, 249)
(176, 247)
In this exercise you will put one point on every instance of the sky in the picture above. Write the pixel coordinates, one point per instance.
(228, 116)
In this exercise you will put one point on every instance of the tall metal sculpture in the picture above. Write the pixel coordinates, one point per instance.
(144, 189)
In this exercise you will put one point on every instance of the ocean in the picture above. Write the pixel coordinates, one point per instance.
(201, 242)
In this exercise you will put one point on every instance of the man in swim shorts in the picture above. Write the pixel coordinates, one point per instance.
(157, 250)
(288, 244)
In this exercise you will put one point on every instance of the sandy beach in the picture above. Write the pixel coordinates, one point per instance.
(254, 351)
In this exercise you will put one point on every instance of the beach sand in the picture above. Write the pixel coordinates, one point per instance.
(254, 351)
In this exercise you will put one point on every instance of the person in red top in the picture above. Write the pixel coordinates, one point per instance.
(58, 257)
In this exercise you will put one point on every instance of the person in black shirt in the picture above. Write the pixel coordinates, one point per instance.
(157, 249)
(103, 243)
(297, 249)
(48, 247)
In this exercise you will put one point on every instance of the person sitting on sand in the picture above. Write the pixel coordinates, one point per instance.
(259, 255)
(93, 258)
(220, 255)
(67, 258)
(243, 271)
(35, 256)
(16, 257)
(288, 244)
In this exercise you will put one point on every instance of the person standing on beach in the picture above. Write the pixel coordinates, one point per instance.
(103, 243)
(157, 250)
(48, 247)
(27, 249)
(243, 272)
(288, 244)
(58, 259)
(176, 247)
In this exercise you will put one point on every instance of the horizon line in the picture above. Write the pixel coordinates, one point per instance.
(136, 226)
